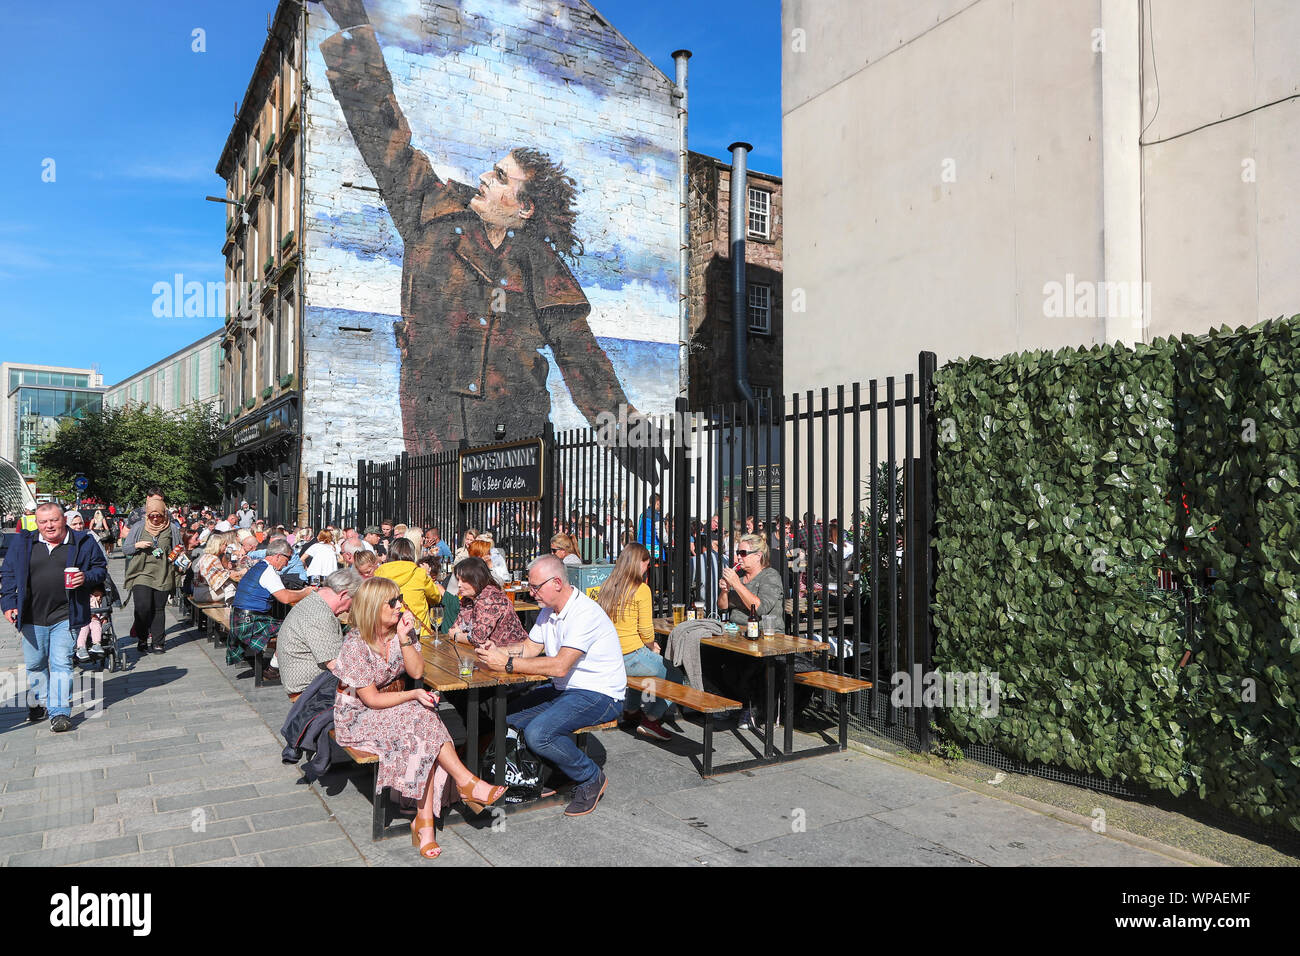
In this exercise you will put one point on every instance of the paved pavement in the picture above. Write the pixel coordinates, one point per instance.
(182, 768)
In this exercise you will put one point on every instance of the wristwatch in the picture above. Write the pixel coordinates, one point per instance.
(412, 642)
(510, 663)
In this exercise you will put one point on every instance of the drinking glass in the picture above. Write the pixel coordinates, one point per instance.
(679, 614)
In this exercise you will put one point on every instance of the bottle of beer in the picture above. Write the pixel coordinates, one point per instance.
(751, 629)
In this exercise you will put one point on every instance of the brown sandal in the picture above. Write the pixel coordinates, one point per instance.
(429, 850)
(467, 795)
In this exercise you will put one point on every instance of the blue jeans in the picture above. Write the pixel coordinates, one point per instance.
(547, 718)
(646, 663)
(47, 655)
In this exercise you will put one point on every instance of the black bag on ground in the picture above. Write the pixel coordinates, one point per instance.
(525, 772)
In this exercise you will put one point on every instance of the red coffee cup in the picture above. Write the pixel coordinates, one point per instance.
(68, 575)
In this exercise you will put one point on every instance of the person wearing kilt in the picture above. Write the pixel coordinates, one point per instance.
(251, 622)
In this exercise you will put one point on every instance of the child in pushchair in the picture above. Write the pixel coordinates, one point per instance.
(99, 632)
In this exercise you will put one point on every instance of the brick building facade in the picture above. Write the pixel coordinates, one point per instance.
(711, 368)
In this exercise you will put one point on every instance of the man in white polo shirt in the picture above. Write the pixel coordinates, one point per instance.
(575, 644)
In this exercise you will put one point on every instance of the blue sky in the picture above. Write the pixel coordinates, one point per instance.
(134, 122)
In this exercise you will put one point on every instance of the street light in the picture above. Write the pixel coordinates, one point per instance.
(243, 216)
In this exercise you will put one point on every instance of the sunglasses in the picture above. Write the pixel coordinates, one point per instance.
(395, 603)
(556, 551)
(745, 554)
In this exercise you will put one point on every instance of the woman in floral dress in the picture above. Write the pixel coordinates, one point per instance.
(416, 754)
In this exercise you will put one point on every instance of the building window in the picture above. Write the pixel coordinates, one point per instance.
(760, 308)
(286, 364)
(269, 353)
(760, 208)
(196, 365)
(176, 384)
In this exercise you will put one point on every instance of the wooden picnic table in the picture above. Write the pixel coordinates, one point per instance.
(778, 647)
(442, 673)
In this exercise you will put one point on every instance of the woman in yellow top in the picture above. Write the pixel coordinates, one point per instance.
(418, 589)
(626, 598)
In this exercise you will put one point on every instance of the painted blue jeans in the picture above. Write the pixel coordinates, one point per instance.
(547, 718)
(47, 655)
(646, 663)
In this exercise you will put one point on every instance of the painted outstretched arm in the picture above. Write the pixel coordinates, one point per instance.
(364, 90)
(593, 386)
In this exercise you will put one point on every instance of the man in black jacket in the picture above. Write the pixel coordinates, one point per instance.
(48, 607)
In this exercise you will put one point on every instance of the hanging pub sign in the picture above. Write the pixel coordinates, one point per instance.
(506, 472)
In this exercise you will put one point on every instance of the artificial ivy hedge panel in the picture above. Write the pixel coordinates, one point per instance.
(1239, 418)
(1054, 484)
(1066, 481)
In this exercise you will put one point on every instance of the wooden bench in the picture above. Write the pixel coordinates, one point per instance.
(692, 699)
(580, 735)
(379, 800)
(364, 758)
(841, 686)
(218, 616)
(218, 622)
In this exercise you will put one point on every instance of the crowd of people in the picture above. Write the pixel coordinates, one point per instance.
(348, 607)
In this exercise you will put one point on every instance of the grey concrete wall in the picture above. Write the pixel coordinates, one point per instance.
(933, 192)
(946, 162)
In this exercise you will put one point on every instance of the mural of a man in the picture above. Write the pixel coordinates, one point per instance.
(484, 283)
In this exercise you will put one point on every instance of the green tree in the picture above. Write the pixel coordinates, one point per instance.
(125, 451)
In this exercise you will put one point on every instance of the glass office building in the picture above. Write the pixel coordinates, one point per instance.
(37, 401)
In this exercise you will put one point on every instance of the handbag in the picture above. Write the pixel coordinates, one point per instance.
(524, 769)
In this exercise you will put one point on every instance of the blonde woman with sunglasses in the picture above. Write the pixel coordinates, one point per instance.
(416, 753)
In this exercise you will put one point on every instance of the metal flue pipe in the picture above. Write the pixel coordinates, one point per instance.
(683, 229)
(739, 290)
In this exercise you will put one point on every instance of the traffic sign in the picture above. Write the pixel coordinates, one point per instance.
(81, 483)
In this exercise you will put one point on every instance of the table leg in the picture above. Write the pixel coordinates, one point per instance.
(769, 731)
(789, 705)
(499, 715)
(471, 732)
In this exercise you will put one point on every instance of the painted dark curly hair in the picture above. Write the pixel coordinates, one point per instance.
(554, 196)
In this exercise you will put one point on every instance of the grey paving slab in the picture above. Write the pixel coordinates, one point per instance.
(211, 830)
(83, 833)
(233, 861)
(155, 743)
(207, 798)
(305, 813)
(57, 767)
(739, 813)
(188, 854)
(41, 823)
(76, 853)
(610, 836)
(21, 843)
(991, 831)
(861, 842)
(289, 836)
(1109, 853)
(151, 858)
(317, 854)
(298, 801)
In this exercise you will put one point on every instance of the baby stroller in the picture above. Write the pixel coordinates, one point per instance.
(111, 658)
